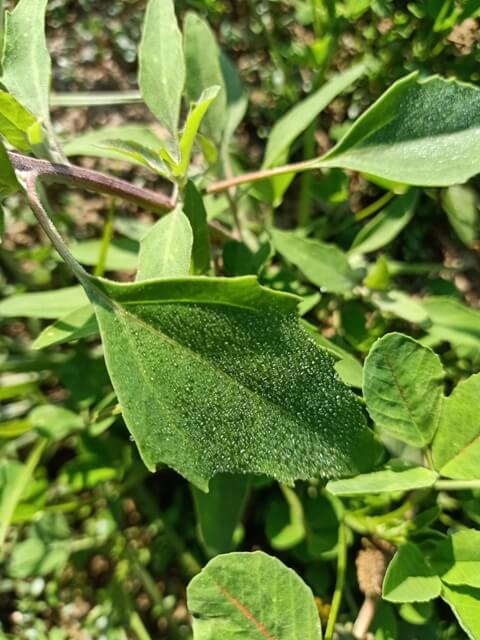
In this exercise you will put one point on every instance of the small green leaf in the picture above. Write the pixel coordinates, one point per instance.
(420, 132)
(194, 209)
(202, 58)
(197, 113)
(26, 62)
(161, 63)
(295, 121)
(221, 378)
(396, 476)
(78, 324)
(251, 595)
(219, 511)
(54, 422)
(456, 446)
(400, 304)
(461, 206)
(237, 99)
(465, 604)
(403, 388)
(387, 224)
(452, 321)
(325, 265)
(409, 578)
(166, 250)
(457, 559)
(43, 304)
(284, 522)
(8, 180)
(15, 122)
(92, 143)
(139, 153)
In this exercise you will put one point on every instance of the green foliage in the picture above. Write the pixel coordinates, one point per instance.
(409, 578)
(233, 594)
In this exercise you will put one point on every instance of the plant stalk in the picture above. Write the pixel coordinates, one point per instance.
(340, 583)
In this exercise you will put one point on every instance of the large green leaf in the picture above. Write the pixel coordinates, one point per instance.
(202, 58)
(456, 446)
(43, 304)
(409, 578)
(465, 604)
(219, 511)
(161, 63)
(166, 250)
(420, 132)
(26, 62)
(403, 388)
(215, 375)
(460, 203)
(325, 265)
(457, 559)
(386, 225)
(295, 121)
(396, 476)
(254, 596)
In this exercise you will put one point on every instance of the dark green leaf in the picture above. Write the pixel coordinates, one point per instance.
(194, 209)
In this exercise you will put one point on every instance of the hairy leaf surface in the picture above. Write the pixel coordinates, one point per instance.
(215, 375)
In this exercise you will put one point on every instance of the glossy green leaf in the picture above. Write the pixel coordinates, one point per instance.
(92, 143)
(219, 511)
(251, 595)
(409, 578)
(198, 111)
(161, 63)
(295, 121)
(457, 559)
(43, 304)
(420, 132)
(465, 604)
(138, 153)
(221, 378)
(325, 265)
(396, 476)
(194, 209)
(460, 203)
(26, 62)
(387, 224)
(76, 325)
(202, 57)
(456, 446)
(166, 250)
(452, 321)
(15, 122)
(403, 388)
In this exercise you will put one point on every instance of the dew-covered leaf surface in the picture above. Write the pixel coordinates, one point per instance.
(216, 375)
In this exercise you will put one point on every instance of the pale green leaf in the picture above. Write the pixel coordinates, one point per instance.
(197, 113)
(54, 422)
(403, 388)
(137, 152)
(166, 250)
(43, 304)
(161, 63)
(194, 209)
(295, 121)
(202, 57)
(400, 304)
(457, 559)
(251, 595)
(221, 378)
(78, 324)
(92, 143)
(219, 511)
(456, 446)
(121, 254)
(8, 180)
(409, 578)
(396, 476)
(26, 62)
(461, 206)
(420, 132)
(465, 604)
(386, 225)
(325, 265)
(452, 321)
(15, 122)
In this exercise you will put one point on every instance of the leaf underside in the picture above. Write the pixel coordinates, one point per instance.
(215, 375)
